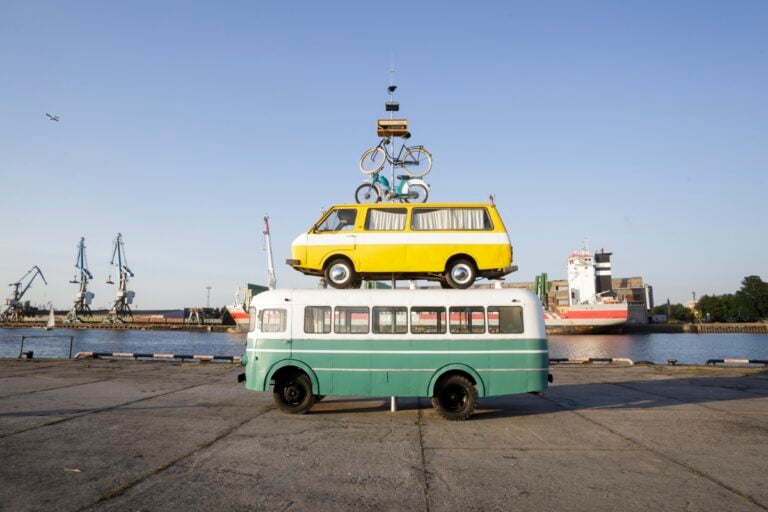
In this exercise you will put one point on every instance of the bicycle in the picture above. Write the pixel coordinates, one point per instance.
(416, 160)
(409, 189)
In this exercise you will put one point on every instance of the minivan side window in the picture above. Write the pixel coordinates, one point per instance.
(505, 319)
(385, 219)
(456, 219)
(340, 219)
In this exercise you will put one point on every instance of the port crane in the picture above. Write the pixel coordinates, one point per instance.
(122, 306)
(272, 280)
(14, 311)
(83, 298)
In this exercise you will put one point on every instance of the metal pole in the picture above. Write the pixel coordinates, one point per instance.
(71, 342)
(21, 350)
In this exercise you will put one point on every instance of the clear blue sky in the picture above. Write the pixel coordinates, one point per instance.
(640, 126)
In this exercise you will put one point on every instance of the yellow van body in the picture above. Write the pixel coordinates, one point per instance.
(411, 241)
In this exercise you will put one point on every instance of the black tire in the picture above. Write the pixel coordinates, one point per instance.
(319, 398)
(460, 273)
(417, 162)
(293, 393)
(367, 193)
(455, 398)
(417, 193)
(339, 273)
(445, 285)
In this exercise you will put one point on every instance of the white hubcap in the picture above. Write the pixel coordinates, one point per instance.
(339, 273)
(460, 273)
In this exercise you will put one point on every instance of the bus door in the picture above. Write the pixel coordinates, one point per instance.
(351, 350)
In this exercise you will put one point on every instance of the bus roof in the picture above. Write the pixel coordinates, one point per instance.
(397, 297)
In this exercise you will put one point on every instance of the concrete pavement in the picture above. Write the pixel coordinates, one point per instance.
(125, 435)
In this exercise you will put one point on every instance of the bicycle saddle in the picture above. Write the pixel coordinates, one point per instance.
(404, 177)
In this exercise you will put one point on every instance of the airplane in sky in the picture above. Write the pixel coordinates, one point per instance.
(52, 118)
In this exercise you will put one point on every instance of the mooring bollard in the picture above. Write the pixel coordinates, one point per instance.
(393, 404)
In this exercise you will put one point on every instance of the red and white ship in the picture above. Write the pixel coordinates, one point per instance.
(592, 305)
(239, 314)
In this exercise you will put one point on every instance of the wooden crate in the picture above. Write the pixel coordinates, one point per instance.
(392, 127)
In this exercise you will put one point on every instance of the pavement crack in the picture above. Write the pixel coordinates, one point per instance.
(119, 491)
(97, 411)
(424, 472)
(663, 455)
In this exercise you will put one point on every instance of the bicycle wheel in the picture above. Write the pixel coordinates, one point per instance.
(417, 162)
(417, 193)
(372, 160)
(367, 193)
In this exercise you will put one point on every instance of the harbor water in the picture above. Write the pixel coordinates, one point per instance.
(656, 347)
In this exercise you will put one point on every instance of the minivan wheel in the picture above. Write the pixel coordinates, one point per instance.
(340, 273)
(460, 273)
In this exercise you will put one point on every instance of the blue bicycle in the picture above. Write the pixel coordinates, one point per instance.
(408, 190)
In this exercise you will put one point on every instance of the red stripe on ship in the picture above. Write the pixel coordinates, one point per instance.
(605, 313)
(237, 315)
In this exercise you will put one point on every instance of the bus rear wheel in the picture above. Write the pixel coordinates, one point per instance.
(455, 398)
(293, 393)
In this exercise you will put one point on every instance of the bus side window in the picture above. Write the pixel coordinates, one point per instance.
(390, 320)
(427, 320)
(505, 319)
(272, 320)
(467, 320)
(317, 319)
(350, 320)
(252, 319)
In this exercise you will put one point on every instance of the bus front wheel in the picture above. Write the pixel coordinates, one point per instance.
(293, 393)
(455, 398)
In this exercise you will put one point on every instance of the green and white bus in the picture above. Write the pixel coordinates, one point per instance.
(451, 345)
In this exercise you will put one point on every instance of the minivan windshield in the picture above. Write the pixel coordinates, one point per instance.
(340, 219)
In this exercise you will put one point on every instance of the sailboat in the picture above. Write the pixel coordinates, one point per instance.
(51, 320)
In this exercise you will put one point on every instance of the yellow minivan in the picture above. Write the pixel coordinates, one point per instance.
(453, 243)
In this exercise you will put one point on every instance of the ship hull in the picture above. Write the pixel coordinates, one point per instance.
(241, 318)
(588, 319)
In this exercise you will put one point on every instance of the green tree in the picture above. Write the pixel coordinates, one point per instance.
(675, 312)
(752, 299)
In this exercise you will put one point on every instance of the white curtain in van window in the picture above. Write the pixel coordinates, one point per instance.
(449, 218)
(383, 220)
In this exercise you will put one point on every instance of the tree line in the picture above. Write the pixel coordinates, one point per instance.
(749, 304)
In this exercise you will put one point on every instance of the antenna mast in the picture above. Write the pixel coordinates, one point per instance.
(83, 298)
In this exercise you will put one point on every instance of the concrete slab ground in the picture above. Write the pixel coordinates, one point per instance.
(124, 435)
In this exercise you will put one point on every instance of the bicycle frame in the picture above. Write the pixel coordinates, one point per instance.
(391, 158)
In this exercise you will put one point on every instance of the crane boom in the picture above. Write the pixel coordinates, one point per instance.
(271, 278)
(15, 310)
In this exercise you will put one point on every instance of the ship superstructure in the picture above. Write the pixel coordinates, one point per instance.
(592, 304)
